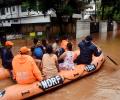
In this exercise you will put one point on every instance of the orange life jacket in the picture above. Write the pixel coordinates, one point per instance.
(64, 44)
(25, 69)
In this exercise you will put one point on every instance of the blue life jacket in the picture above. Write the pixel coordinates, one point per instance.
(38, 53)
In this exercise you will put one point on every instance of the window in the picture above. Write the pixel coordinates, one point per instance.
(8, 21)
(15, 20)
(13, 8)
(6, 9)
(2, 11)
(3, 21)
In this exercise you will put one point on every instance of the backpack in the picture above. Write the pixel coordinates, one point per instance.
(38, 53)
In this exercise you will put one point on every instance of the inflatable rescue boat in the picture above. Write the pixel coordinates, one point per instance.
(29, 90)
(4, 73)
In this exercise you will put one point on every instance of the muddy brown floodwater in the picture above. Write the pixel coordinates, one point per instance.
(102, 85)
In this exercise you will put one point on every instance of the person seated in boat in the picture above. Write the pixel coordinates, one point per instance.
(64, 43)
(68, 57)
(49, 63)
(44, 44)
(38, 53)
(7, 55)
(87, 49)
(25, 70)
(55, 45)
(35, 40)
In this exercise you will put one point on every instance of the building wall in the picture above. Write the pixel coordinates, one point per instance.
(14, 15)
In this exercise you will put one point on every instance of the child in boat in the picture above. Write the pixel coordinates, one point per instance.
(25, 70)
(68, 57)
(49, 63)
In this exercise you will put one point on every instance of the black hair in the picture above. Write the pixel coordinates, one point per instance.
(57, 40)
(44, 43)
(69, 46)
(35, 40)
(64, 37)
(49, 49)
(89, 38)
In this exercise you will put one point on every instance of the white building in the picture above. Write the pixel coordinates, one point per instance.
(18, 15)
(91, 10)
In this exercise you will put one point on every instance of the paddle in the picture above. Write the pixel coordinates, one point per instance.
(108, 56)
(112, 60)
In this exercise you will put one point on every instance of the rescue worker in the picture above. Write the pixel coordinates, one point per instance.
(87, 49)
(7, 55)
(25, 70)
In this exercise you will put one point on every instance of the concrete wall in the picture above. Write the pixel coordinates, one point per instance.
(103, 30)
(82, 29)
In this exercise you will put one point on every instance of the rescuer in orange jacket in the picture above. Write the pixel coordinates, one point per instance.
(25, 70)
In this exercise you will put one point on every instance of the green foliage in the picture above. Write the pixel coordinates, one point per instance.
(111, 9)
(68, 10)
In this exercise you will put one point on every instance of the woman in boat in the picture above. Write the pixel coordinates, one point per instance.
(49, 63)
(25, 70)
(68, 57)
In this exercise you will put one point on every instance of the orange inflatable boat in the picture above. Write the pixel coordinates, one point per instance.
(4, 73)
(18, 92)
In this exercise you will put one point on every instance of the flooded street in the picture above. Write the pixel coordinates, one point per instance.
(103, 85)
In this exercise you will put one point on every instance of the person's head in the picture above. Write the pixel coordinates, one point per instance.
(24, 50)
(35, 40)
(65, 38)
(88, 38)
(57, 40)
(39, 43)
(49, 49)
(9, 44)
(44, 43)
(69, 46)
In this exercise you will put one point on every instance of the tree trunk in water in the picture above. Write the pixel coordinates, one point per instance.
(103, 12)
(60, 22)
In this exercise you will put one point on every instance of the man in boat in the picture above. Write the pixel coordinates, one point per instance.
(35, 40)
(87, 49)
(25, 70)
(55, 45)
(7, 55)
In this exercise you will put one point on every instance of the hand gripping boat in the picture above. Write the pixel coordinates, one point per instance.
(18, 92)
